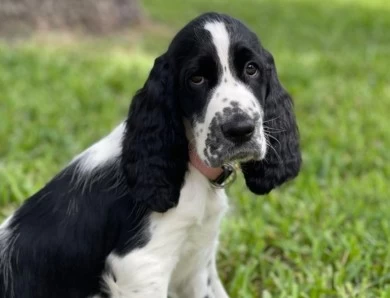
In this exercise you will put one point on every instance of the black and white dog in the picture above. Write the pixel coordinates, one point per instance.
(135, 215)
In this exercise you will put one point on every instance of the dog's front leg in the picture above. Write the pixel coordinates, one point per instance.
(138, 275)
(199, 283)
(145, 272)
(214, 282)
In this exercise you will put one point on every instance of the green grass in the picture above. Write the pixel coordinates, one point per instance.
(327, 233)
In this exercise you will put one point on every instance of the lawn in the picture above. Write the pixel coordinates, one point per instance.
(327, 233)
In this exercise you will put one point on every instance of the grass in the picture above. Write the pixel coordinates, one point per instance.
(326, 234)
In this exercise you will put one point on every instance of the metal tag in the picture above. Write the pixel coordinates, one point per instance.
(227, 177)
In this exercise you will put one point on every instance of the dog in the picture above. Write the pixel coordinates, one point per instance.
(137, 214)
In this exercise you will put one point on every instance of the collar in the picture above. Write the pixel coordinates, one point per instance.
(218, 177)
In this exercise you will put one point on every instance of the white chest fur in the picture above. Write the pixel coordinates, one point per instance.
(180, 256)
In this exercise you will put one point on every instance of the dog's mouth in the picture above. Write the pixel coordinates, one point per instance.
(242, 155)
(247, 152)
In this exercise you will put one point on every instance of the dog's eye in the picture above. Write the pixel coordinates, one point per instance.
(197, 80)
(251, 69)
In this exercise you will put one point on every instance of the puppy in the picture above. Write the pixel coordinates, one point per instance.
(137, 214)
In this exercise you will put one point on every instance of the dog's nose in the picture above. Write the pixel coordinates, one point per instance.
(238, 128)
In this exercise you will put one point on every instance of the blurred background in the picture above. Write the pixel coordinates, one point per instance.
(68, 70)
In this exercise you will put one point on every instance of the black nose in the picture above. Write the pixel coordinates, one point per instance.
(238, 128)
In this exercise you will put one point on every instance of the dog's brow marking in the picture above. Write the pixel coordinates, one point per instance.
(221, 42)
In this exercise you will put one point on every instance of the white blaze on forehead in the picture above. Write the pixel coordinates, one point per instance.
(221, 41)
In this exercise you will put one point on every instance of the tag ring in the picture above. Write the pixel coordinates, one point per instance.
(227, 177)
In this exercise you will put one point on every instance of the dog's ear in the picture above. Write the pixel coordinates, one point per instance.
(283, 159)
(155, 150)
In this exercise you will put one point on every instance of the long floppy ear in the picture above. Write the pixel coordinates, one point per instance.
(155, 150)
(283, 159)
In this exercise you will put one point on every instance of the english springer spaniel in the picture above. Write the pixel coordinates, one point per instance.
(137, 214)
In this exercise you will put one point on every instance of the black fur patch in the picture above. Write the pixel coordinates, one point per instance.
(57, 253)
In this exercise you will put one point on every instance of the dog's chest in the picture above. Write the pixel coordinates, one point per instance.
(203, 207)
(195, 221)
(199, 210)
(207, 206)
(191, 230)
(182, 240)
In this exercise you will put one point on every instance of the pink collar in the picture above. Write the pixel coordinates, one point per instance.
(219, 177)
(208, 172)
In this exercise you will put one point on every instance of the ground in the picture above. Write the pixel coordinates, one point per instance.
(327, 233)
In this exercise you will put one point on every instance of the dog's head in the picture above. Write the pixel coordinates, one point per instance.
(216, 88)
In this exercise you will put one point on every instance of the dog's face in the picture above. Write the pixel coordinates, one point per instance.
(218, 78)
(221, 89)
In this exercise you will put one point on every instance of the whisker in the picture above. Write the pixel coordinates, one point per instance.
(273, 129)
(271, 136)
(277, 154)
(269, 120)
